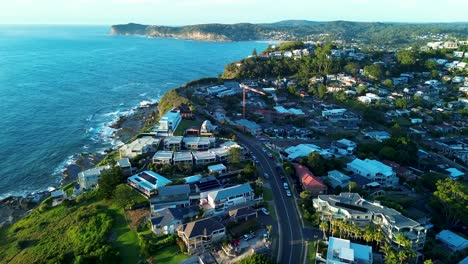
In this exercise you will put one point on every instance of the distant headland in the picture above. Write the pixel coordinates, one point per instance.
(374, 33)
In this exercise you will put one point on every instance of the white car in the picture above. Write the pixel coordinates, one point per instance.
(265, 211)
(285, 185)
(288, 193)
(266, 175)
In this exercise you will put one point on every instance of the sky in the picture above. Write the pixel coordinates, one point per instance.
(183, 12)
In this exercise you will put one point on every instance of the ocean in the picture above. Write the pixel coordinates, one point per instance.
(62, 86)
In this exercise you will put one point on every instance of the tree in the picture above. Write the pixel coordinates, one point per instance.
(234, 156)
(352, 68)
(324, 227)
(406, 57)
(316, 163)
(374, 71)
(378, 237)
(452, 196)
(321, 91)
(388, 153)
(123, 196)
(401, 103)
(386, 249)
(368, 233)
(254, 52)
(305, 194)
(352, 186)
(256, 259)
(322, 61)
(109, 180)
(387, 83)
(400, 239)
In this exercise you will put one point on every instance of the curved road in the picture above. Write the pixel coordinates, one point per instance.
(291, 246)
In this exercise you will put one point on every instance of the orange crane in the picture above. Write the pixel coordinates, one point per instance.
(244, 88)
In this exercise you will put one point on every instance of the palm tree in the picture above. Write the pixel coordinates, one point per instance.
(402, 256)
(378, 237)
(368, 234)
(324, 227)
(386, 249)
(400, 239)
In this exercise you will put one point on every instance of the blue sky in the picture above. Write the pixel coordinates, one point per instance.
(181, 12)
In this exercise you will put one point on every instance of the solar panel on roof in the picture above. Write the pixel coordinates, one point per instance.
(148, 178)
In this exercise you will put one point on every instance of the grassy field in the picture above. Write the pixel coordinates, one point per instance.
(168, 255)
(126, 239)
(184, 125)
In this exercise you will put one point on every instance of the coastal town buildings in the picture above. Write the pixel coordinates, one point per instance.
(89, 179)
(200, 234)
(353, 208)
(342, 251)
(373, 170)
(147, 182)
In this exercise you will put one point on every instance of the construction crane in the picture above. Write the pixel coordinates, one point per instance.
(244, 88)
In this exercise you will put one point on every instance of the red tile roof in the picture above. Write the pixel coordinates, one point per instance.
(307, 178)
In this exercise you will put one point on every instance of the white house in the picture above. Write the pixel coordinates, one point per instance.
(139, 146)
(373, 170)
(169, 122)
(218, 168)
(223, 199)
(89, 178)
(341, 251)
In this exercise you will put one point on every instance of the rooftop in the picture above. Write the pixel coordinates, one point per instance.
(452, 239)
(182, 156)
(371, 166)
(124, 163)
(173, 140)
(231, 191)
(163, 155)
(307, 178)
(149, 180)
(200, 155)
(217, 167)
(203, 227)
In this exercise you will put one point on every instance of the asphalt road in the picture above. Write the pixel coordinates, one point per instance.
(291, 248)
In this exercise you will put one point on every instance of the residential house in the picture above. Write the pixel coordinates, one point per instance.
(163, 157)
(400, 170)
(217, 169)
(185, 111)
(139, 146)
(126, 166)
(454, 173)
(351, 207)
(242, 214)
(207, 128)
(222, 154)
(202, 158)
(147, 182)
(173, 143)
(451, 240)
(249, 126)
(338, 178)
(333, 112)
(182, 158)
(342, 251)
(58, 196)
(343, 147)
(200, 234)
(221, 200)
(89, 178)
(373, 170)
(378, 135)
(198, 143)
(303, 150)
(173, 196)
(207, 184)
(169, 122)
(166, 221)
(309, 181)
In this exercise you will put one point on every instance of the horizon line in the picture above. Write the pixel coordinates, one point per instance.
(202, 23)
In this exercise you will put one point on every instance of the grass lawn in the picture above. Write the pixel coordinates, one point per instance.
(311, 251)
(168, 255)
(267, 194)
(184, 125)
(126, 239)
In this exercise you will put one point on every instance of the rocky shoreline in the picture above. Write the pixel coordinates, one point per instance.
(14, 208)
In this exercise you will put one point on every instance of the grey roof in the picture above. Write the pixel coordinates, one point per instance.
(201, 155)
(168, 215)
(123, 163)
(181, 156)
(201, 227)
(174, 190)
(231, 191)
(163, 155)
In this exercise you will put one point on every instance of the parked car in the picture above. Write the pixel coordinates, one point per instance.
(288, 193)
(266, 175)
(285, 185)
(265, 211)
(249, 236)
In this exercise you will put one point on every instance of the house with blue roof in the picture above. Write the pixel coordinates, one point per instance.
(147, 182)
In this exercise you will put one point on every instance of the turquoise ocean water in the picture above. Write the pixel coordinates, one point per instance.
(61, 86)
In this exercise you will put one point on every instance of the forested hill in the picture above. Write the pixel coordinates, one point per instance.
(371, 33)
